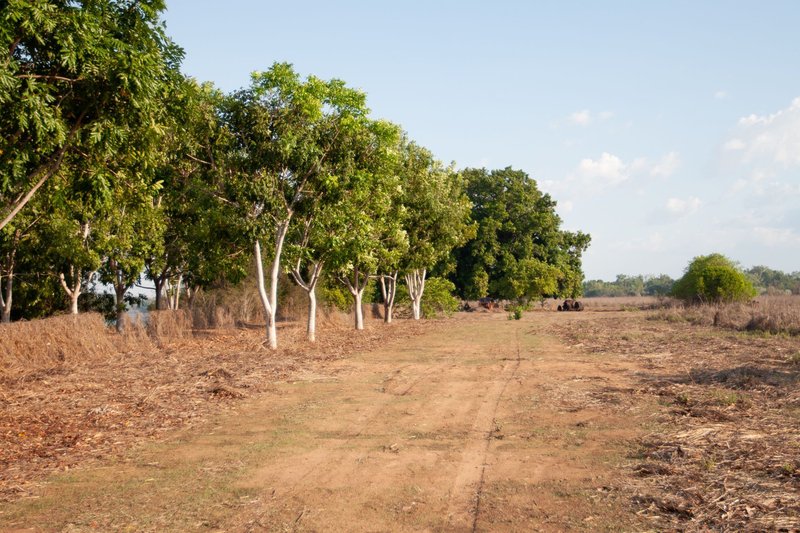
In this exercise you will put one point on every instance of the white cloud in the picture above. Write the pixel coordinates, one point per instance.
(586, 117)
(566, 206)
(666, 166)
(769, 141)
(582, 118)
(776, 236)
(734, 145)
(720, 95)
(681, 207)
(594, 175)
(608, 170)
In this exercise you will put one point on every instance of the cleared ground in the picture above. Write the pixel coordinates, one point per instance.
(551, 423)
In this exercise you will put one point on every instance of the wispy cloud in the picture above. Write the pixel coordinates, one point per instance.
(720, 95)
(769, 141)
(683, 206)
(608, 171)
(666, 166)
(586, 117)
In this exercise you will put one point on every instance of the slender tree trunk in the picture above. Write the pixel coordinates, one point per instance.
(119, 293)
(310, 287)
(388, 290)
(74, 291)
(415, 280)
(158, 281)
(359, 310)
(174, 294)
(5, 301)
(312, 315)
(356, 288)
(270, 302)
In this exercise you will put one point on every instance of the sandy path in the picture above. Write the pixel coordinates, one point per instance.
(483, 424)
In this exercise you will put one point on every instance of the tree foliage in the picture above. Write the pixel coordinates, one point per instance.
(520, 250)
(713, 278)
(116, 169)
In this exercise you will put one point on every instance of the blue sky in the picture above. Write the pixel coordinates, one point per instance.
(666, 130)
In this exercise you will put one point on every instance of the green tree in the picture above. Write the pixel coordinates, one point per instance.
(284, 130)
(713, 278)
(77, 77)
(201, 233)
(328, 223)
(519, 249)
(436, 216)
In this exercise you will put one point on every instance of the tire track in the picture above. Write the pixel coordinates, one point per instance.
(467, 490)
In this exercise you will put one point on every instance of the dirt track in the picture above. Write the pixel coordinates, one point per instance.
(482, 424)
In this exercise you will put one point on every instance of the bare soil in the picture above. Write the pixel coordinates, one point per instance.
(580, 421)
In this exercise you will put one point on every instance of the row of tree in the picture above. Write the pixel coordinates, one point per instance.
(629, 286)
(114, 166)
(764, 279)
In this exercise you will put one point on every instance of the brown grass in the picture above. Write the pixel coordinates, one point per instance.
(625, 303)
(56, 341)
(767, 314)
(72, 389)
(722, 453)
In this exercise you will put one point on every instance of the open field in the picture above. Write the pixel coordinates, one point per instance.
(601, 420)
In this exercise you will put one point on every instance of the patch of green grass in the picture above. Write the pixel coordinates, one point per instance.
(728, 397)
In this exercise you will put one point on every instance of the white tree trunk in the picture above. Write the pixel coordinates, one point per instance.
(359, 311)
(356, 288)
(415, 280)
(389, 291)
(270, 302)
(74, 291)
(310, 287)
(5, 302)
(312, 315)
(174, 293)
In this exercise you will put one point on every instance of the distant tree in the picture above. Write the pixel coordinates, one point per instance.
(519, 249)
(713, 278)
(660, 285)
(765, 279)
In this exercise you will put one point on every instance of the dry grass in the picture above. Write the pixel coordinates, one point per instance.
(768, 314)
(723, 452)
(56, 341)
(72, 390)
(626, 303)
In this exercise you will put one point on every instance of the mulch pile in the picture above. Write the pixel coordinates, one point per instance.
(55, 418)
(725, 454)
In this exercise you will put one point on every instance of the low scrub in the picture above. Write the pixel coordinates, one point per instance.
(766, 314)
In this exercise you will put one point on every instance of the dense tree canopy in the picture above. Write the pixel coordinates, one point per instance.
(117, 170)
(520, 250)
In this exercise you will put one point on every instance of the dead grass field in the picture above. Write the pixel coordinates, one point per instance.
(600, 421)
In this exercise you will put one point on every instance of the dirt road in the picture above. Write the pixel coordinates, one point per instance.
(483, 424)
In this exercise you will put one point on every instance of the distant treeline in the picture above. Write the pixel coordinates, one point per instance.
(765, 279)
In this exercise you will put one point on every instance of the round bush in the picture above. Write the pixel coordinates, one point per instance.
(713, 278)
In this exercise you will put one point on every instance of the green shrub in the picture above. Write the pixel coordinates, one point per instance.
(335, 296)
(516, 313)
(437, 299)
(713, 278)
